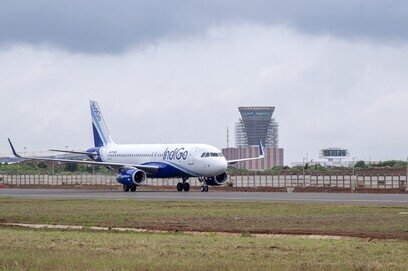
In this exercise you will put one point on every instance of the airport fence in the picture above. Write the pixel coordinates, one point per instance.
(274, 181)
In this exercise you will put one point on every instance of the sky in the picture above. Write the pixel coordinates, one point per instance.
(176, 71)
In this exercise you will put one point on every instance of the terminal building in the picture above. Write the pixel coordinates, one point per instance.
(256, 124)
(335, 157)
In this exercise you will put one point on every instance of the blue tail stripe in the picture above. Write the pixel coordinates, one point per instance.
(98, 128)
(97, 139)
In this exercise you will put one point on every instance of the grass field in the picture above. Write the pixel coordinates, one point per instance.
(27, 249)
(22, 249)
(251, 217)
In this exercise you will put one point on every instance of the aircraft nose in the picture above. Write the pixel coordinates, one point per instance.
(223, 164)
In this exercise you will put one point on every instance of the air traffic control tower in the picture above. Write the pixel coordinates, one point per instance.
(256, 124)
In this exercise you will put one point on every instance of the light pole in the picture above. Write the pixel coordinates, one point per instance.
(354, 158)
(304, 165)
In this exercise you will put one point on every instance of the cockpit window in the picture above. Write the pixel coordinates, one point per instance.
(212, 154)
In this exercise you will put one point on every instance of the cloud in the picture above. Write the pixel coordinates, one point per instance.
(327, 91)
(106, 26)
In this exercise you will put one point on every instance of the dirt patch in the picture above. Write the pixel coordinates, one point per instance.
(349, 190)
(259, 235)
(249, 189)
(301, 232)
(381, 190)
(322, 189)
(64, 186)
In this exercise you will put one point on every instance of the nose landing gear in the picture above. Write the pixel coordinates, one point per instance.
(204, 187)
(183, 185)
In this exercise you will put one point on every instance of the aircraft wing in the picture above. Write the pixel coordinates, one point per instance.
(261, 155)
(74, 152)
(147, 168)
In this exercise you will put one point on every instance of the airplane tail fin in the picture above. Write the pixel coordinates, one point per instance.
(100, 130)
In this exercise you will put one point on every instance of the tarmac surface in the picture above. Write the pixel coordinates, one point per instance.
(343, 198)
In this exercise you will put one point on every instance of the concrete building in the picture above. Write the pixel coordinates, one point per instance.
(273, 157)
(256, 124)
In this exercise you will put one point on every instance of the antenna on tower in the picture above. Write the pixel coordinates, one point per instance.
(227, 138)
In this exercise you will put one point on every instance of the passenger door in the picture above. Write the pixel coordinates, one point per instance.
(191, 157)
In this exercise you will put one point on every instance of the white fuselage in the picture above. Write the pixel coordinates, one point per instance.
(175, 160)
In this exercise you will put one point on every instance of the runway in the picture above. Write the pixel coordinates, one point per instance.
(345, 198)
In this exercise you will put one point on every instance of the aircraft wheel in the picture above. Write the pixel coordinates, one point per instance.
(125, 188)
(133, 188)
(180, 187)
(202, 188)
(186, 187)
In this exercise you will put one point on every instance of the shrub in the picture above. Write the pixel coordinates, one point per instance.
(42, 165)
(71, 167)
(360, 164)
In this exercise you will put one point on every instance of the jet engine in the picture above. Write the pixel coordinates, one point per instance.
(131, 176)
(217, 180)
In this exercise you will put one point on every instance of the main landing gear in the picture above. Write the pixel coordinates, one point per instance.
(204, 187)
(183, 185)
(128, 188)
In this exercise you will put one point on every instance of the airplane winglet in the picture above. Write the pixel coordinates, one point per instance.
(261, 150)
(14, 150)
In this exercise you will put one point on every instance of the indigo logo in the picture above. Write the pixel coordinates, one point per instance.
(175, 154)
(96, 111)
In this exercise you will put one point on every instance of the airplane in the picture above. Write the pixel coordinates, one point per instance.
(134, 163)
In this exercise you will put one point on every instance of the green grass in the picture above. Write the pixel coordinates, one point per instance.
(351, 220)
(22, 249)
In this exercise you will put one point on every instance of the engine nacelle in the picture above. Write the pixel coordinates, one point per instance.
(217, 180)
(131, 176)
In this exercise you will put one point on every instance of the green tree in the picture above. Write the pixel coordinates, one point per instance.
(71, 167)
(360, 164)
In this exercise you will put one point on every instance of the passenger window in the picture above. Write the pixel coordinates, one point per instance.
(202, 155)
(213, 154)
(207, 154)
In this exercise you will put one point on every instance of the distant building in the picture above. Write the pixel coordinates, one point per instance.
(273, 157)
(334, 156)
(256, 124)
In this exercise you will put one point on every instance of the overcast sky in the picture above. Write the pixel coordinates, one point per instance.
(176, 71)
